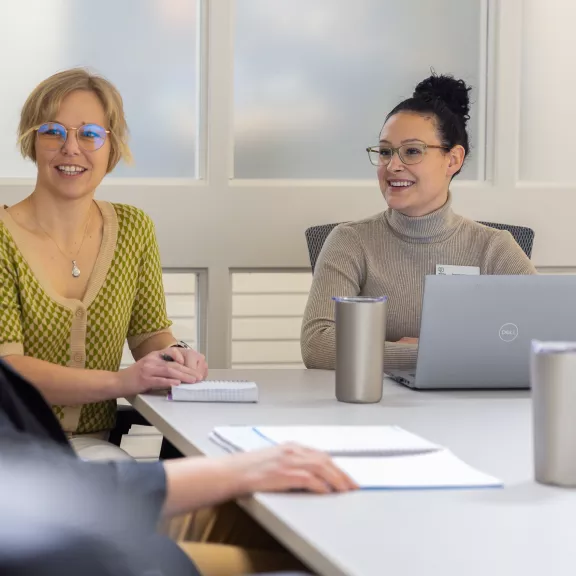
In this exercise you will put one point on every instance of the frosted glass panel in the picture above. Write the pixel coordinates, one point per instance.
(548, 47)
(146, 47)
(315, 80)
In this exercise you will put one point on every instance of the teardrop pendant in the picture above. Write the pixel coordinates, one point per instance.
(75, 269)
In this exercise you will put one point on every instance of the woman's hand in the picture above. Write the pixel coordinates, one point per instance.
(153, 372)
(195, 361)
(287, 467)
(193, 483)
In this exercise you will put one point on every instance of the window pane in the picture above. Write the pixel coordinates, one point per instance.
(315, 80)
(147, 48)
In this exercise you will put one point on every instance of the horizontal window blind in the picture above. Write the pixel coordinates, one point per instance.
(267, 309)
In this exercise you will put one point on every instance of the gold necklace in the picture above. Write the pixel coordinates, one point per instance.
(75, 269)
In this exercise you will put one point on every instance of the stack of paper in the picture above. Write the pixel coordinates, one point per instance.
(375, 457)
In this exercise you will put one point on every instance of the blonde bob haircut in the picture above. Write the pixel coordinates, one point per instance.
(44, 102)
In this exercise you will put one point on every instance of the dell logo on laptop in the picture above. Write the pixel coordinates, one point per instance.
(508, 332)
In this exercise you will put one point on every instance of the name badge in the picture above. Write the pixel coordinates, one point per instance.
(450, 270)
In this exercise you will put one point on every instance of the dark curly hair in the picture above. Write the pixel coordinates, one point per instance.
(447, 100)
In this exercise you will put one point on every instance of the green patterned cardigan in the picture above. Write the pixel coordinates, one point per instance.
(124, 300)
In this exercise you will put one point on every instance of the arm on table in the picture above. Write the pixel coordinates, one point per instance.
(67, 386)
(197, 482)
(173, 487)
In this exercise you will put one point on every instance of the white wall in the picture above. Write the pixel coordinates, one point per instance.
(547, 112)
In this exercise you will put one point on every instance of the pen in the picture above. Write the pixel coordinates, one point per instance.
(167, 358)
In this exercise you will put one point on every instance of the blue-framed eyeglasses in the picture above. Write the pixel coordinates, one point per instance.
(52, 136)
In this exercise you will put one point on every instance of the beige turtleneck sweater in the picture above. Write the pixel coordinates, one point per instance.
(389, 255)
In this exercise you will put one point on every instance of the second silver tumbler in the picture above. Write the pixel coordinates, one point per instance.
(360, 338)
(553, 383)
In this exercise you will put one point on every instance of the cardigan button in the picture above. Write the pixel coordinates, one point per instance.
(79, 357)
(79, 313)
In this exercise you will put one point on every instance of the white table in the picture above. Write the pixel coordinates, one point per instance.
(525, 528)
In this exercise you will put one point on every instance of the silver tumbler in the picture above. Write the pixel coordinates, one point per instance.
(553, 382)
(360, 337)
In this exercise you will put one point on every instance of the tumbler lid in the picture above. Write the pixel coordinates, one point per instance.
(359, 299)
(540, 347)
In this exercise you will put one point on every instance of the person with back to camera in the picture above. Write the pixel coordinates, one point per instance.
(62, 507)
(423, 145)
(80, 276)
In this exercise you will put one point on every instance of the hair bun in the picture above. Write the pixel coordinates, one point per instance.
(453, 93)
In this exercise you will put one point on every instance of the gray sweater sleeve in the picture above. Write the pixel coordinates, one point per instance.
(67, 512)
(146, 481)
(505, 257)
(118, 489)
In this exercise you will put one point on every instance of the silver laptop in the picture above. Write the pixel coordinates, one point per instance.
(476, 330)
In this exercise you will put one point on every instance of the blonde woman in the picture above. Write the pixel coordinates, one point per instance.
(80, 276)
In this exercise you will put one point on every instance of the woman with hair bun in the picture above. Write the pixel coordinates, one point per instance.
(422, 146)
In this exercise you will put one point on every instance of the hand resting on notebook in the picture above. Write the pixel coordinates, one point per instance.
(277, 469)
(195, 361)
(154, 373)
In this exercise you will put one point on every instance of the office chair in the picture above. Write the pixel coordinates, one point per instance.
(316, 236)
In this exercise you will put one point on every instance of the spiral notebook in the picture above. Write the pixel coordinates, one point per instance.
(216, 391)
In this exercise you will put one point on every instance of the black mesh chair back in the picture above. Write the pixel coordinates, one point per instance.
(316, 236)
(524, 236)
